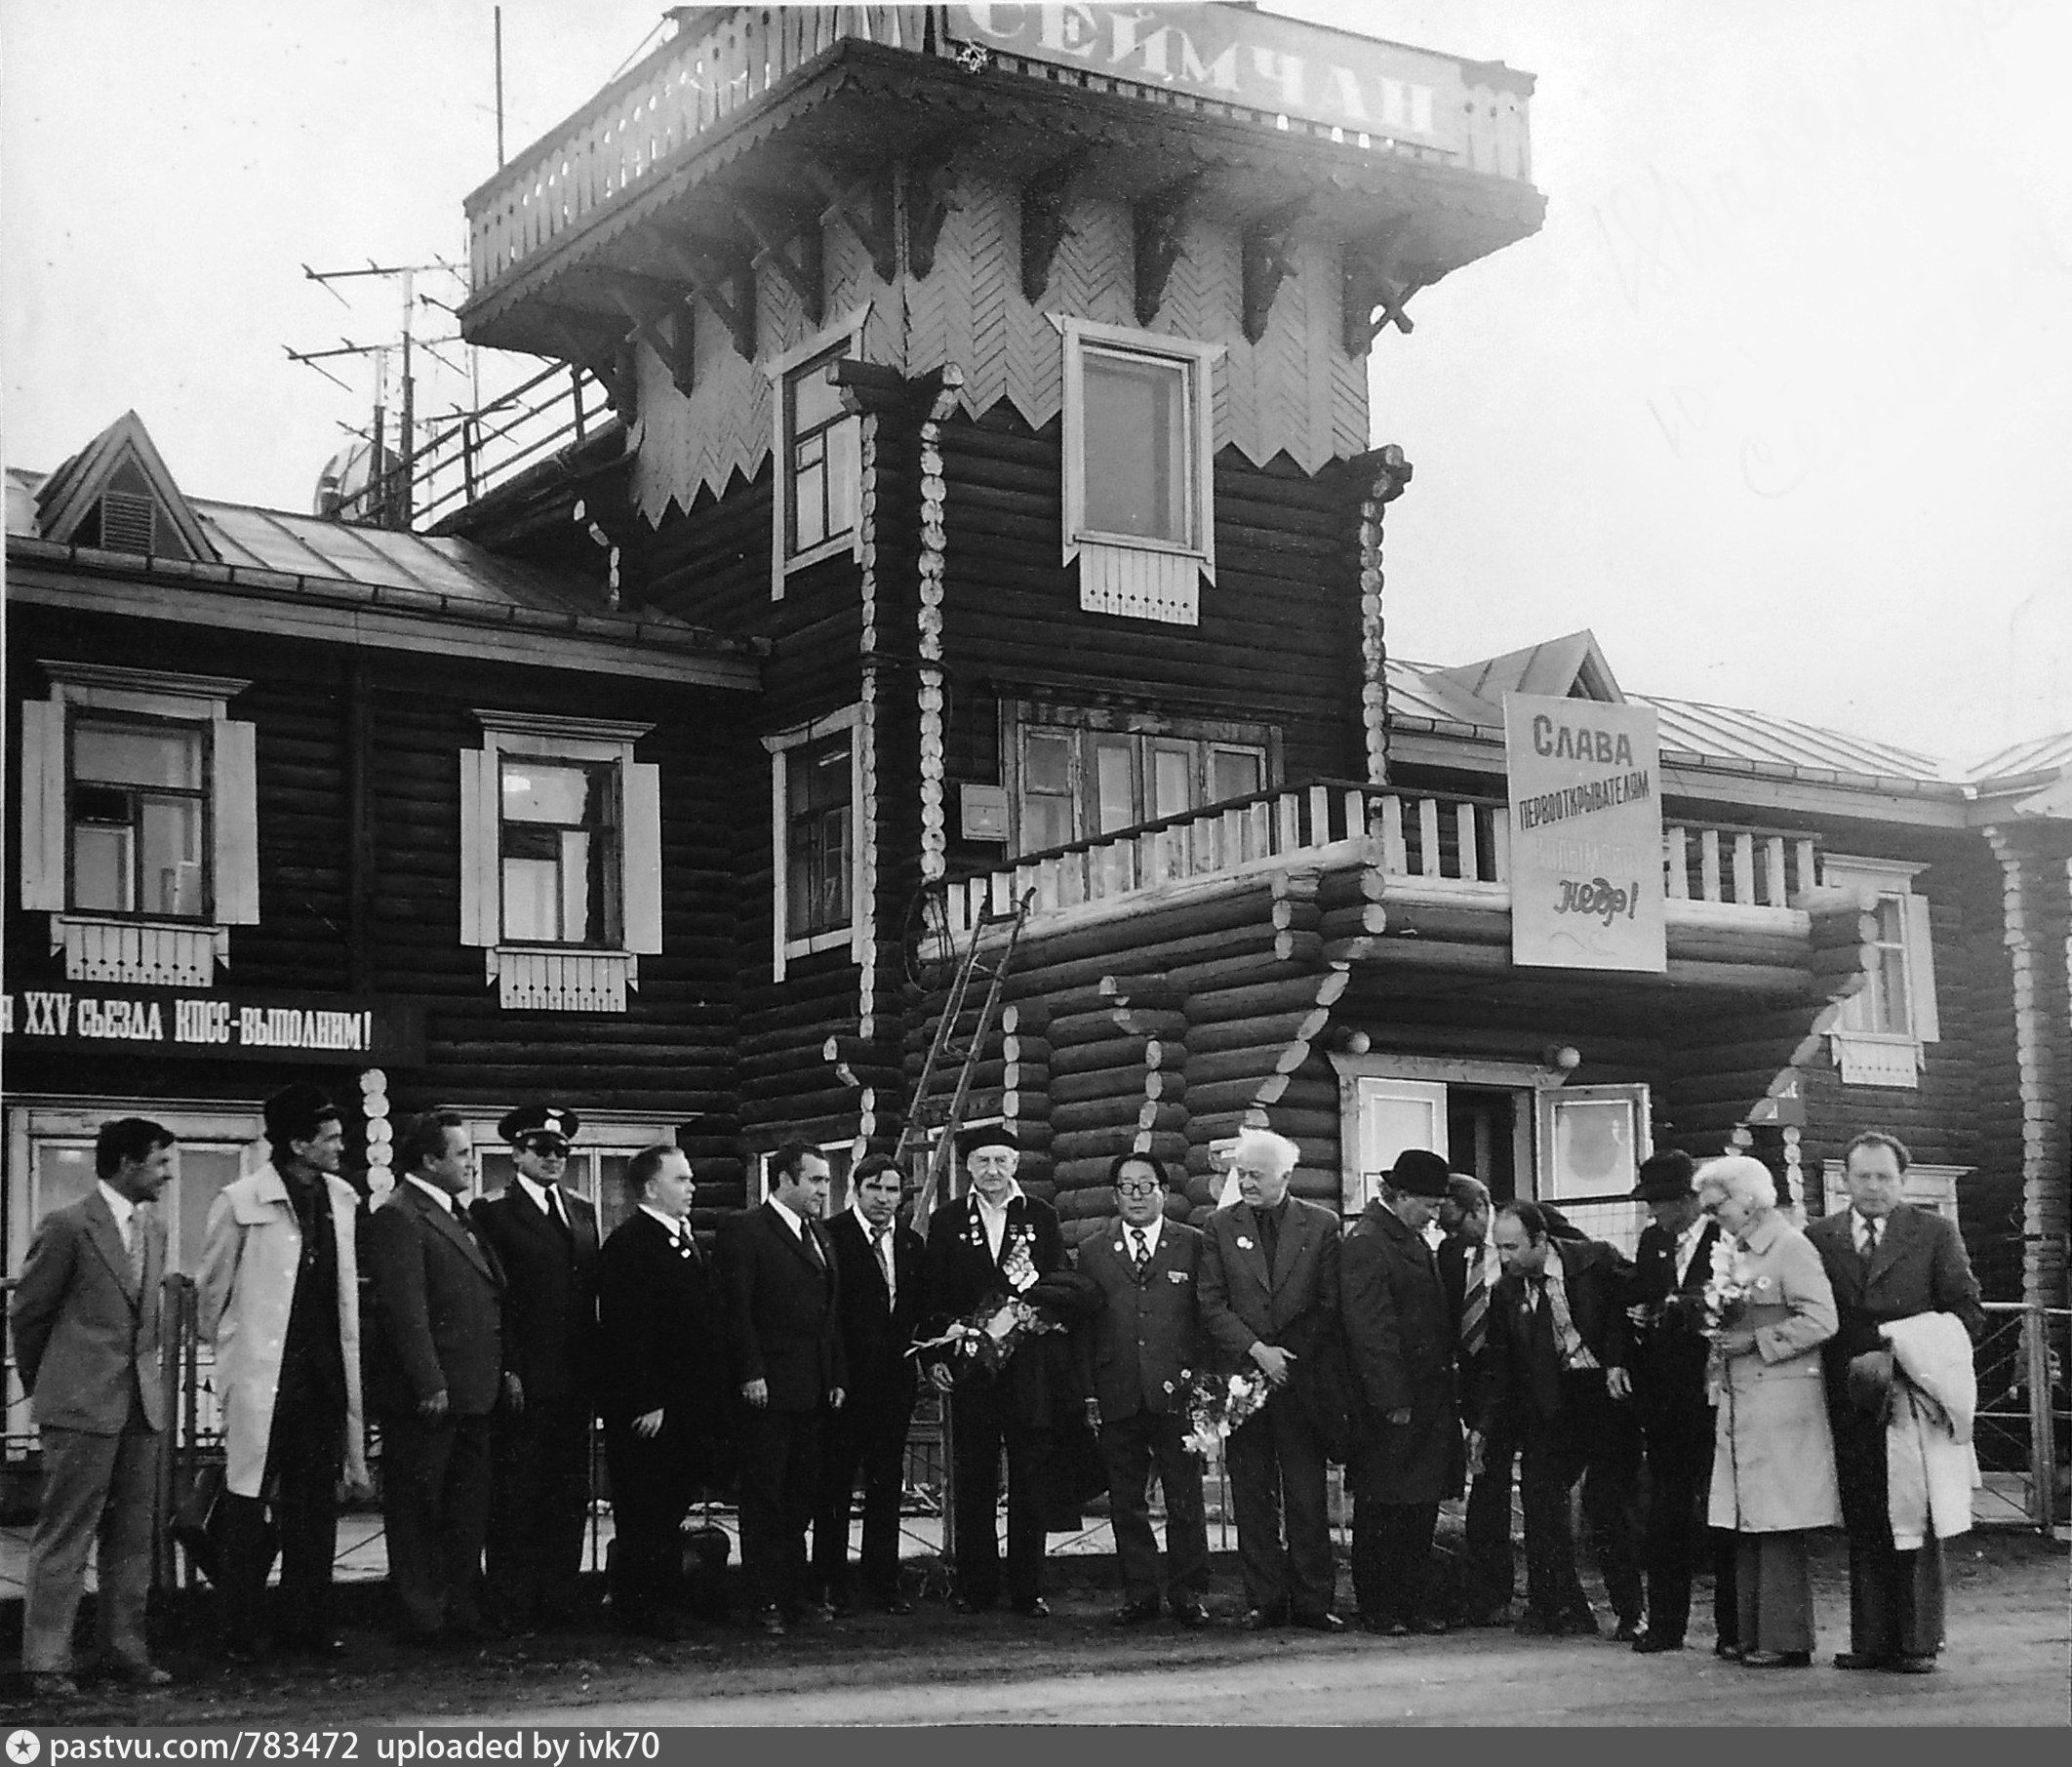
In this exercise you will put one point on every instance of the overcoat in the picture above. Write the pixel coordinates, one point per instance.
(1399, 1347)
(1773, 1456)
(251, 1250)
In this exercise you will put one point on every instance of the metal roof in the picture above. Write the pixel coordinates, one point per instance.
(2039, 754)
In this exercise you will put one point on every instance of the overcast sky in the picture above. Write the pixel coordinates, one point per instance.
(1778, 403)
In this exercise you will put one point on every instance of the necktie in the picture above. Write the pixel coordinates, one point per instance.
(813, 1245)
(886, 1263)
(686, 1245)
(1870, 1243)
(1269, 1234)
(1475, 1307)
(1140, 1253)
(556, 1213)
(139, 1221)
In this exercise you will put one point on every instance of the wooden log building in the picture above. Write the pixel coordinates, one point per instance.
(988, 508)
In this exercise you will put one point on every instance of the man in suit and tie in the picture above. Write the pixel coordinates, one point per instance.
(1672, 1264)
(877, 1264)
(435, 1373)
(1142, 1346)
(546, 1238)
(994, 1242)
(1269, 1287)
(785, 1311)
(666, 1390)
(86, 1320)
(1399, 1343)
(1563, 1345)
(278, 1295)
(1885, 1259)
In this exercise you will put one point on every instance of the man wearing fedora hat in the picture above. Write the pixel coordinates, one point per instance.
(1672, 1264)
(1407, 1455)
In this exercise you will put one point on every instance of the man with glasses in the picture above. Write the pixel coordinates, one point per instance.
(1144, 1344)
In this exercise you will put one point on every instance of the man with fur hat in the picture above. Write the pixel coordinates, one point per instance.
(992, 1243)
(1671, 1267)
(1407, 1455)
(279, 1298)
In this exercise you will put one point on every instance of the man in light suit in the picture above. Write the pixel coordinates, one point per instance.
(435, 1373)
(545, 1237)
(1269, 1287)
(1142, 1346)
(86, 1319)
(1885, 1260)
(279, 1298)
(878, 1272)
(783, 1309)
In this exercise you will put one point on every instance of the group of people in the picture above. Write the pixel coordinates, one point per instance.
(787, 1359)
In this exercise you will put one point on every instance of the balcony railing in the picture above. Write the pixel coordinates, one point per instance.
(1430, 839)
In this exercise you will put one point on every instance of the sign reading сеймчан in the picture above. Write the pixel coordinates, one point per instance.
(166, 1021)
(1281, 66)
(1586, 834)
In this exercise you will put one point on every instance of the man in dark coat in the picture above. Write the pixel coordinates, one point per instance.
(1407, 1455)
(1672, 1264)
(1141, 1348)
(993, 1243)
(877, 1263)
(1269, 1287)
(664, 1387)
(784, 1314)
(435, 1373)
(1563, 1345)
(545, 1237)
(1885, 1260)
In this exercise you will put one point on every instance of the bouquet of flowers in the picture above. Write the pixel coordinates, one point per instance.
(1729, 1291)
(986, 1337)
(1216, 1407)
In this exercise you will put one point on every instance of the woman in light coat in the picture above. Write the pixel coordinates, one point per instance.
(1773, 1456)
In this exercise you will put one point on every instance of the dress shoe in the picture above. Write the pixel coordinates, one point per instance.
(1652, 1644)
(1191, 1614)
(1319, 1622)
(137, 1674)
(52, 1684)
(771, 1622)
(1134, 1613)
(1912, 1664)
(1034, 1608)
(1628, 1632)
(1430, 1625)
(895, 1604)
(1858, 1660)
(1259, 1619)
(1777, 1659)
(970, 1604)
(816, 1613)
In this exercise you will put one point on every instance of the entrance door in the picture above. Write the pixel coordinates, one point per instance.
(1481, 1135)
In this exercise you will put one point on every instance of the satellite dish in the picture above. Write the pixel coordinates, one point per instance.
(341, 487)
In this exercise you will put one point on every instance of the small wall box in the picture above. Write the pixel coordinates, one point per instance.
(984, 812)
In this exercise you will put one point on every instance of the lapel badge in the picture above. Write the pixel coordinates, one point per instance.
(1118, 1245)
(1244, 1244)
(1175, 1275)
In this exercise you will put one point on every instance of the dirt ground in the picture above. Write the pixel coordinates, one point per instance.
(2006, 1663)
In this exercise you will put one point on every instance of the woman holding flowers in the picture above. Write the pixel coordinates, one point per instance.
(1769, 1309)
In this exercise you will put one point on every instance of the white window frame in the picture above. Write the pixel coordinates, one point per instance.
(842, 1158)
(1926, 1187)
(782, 946)
(551, 978)
(1551, 1184)
(102, 946)
(1889, 1058)
(602, 1133)
(846, 335)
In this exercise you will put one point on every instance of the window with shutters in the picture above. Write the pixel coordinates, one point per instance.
(560, 859)
(1885, 1025)
(818, 444)
(139, 826)
(816, 811)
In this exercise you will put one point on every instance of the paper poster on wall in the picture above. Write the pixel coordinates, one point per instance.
(1586, 834)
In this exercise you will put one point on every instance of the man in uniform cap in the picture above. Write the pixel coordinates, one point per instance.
(1406, 1456)
(545, 1237)
(994, 1242)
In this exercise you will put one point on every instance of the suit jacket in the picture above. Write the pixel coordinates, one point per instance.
(1147, 1339)
(1399, 1347)
(550, 1291)
(1041, 1385)
(1293, 1306)
(438, 1305)
(87, 1340)
(1473, 1373)
(1920, 1268)
(1598, 1281)
(1670, 1351)
(876, 1329)
(661, 1331)
(783, 1309)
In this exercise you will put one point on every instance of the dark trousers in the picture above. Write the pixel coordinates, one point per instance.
(1595, 1438)
(1391, 1546)
(435, 1498)
(539, 1504)
(1490, 1571)
(983, 1421)
(1130, 1448)
(305, 1447)
(1896, 1600)
(1277, 1460)
(870, 1439)
(1680, 1443)
(652, 1482)
(781, 1486)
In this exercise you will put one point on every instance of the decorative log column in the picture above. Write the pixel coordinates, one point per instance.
(1392, 477)
(934, 840)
